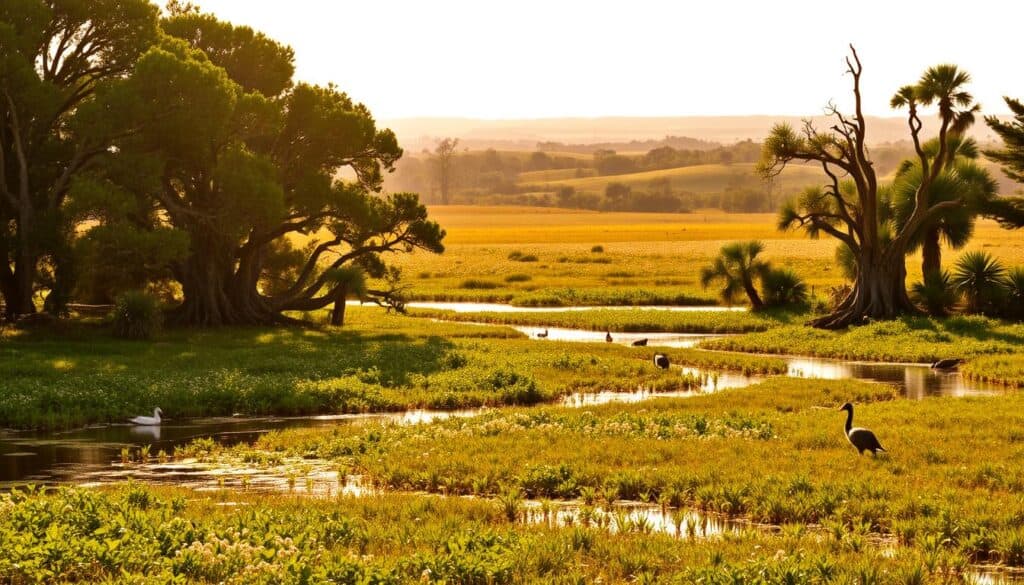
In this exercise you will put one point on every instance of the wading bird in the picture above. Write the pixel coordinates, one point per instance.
(608, 336)
(862, 439)
(543, 335)
(947, 364)
(148, 421)
(640, 342)
(661, 360)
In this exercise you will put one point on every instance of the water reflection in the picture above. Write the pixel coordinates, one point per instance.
(630, 517)
(504, 308)
(654, 339)
(43, 457)
(916, 380)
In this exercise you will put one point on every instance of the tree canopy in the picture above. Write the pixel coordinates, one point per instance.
(182, 151)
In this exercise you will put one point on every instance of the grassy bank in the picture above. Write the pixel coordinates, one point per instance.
(910, 339)
(624, 320)
(377, 362)
(773, 453)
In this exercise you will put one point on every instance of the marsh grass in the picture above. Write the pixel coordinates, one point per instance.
(377, 363)
(773, 453)
(910, 339)
(150, 535)
(623, 320)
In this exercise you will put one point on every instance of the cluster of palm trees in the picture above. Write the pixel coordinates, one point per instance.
(739, 269)
(978, 284)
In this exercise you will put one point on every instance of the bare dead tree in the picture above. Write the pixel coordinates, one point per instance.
(848, 207)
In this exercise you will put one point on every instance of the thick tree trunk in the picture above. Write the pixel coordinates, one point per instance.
(20, 301)
(880, 292)
(338, 313)
(217, 294)
(931, 253)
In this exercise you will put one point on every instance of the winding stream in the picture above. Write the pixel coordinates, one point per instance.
(95, 455)
(460, 307)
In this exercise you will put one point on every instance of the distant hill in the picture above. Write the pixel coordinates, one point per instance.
(418, 133)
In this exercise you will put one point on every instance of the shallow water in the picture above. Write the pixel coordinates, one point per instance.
(505, 308)
(78, 455)
(66, 456)
(654, 339)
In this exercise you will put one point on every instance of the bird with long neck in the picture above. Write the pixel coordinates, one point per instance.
(862, 439)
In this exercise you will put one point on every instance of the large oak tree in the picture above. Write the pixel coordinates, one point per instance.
(58, 60)
(275, 184)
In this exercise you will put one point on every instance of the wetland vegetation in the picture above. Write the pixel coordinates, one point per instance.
(184, 224)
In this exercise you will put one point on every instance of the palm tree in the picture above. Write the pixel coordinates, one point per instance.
(942, 85)
(936, 293)
(736, 267)
(1014, 284)
(961, 178)
(783, 287)
(979, 277)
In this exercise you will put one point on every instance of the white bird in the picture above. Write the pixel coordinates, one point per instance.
(149, 421)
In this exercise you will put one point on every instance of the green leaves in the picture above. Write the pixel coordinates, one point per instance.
(254, 61)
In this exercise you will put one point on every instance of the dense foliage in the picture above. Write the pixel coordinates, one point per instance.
(179, 153)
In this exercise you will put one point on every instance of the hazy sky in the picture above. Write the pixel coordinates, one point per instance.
(554, 58)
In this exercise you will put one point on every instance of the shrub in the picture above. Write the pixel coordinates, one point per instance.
(518, 278)
(597, 249)
(936, 294)
(1014, 284)
(979, 278)
(137, 315)
(527, 258)
(477, 284)
(782, 286)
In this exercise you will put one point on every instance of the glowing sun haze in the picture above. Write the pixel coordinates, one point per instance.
(540, 59)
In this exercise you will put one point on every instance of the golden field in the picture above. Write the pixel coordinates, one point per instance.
(659, 253)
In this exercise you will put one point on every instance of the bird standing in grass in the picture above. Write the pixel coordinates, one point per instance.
(149, 421)
(862, 439)
(661, 360)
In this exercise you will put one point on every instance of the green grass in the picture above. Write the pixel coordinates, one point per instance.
(144, 535)
(624, 320)
(378, 362)
(1006, 369)
(910, 339)
(773, 453)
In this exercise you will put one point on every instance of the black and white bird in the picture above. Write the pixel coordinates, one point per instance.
(661, 360)
(640, 342)
(608, 336)
(543, 334)
(148, 421)
(947, 364)
(862, 439)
